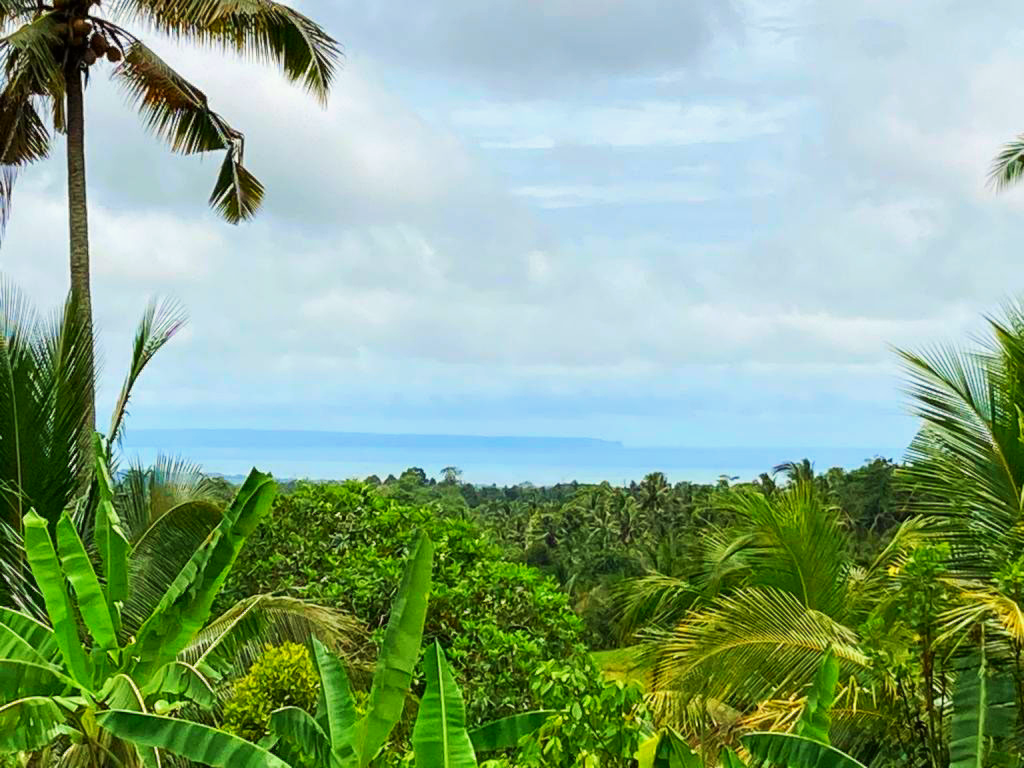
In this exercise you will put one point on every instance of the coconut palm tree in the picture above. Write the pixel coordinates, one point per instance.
(46, 378)
(748, 623)
(966, 470)
(54, 48)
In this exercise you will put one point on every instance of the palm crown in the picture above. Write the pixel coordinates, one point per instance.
(52, 43)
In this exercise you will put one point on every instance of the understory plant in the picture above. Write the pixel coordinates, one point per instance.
(128, 627)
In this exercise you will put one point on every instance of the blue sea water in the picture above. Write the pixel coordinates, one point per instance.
(483, 460)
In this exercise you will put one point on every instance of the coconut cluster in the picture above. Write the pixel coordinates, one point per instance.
(82, 37)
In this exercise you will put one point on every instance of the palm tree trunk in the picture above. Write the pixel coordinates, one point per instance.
(78, 220)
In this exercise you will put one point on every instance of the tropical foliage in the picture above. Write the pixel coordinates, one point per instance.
(344, 546)
(129, 626)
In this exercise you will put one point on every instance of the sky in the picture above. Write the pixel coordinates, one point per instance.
(703, 224)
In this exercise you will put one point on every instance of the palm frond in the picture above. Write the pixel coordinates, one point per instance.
(266, 30)
(44, 370)
(966, 465)
(238, 194)
(179, 112)
(17, 587)
(1008, 166)
(796, 544)
(980, 605)
(145, 494)
(160, 554)
(229, 645)
(27, 60)
(161, 320)
(8, 175)
(15, 12)
(757, 644)
(65, 363)
(23, 140)
(651, 600)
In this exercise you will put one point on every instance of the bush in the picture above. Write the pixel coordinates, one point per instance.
(283, 676)
(344, 545)
(600, 723)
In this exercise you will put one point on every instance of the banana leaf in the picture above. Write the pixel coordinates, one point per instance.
(299, 737)
(185, 607)
(42, 558)
(788, 750)
(109, 537)
(336, 709)
(92, 602)
(29, 724)
(439, 738)
(399, 653)
(195, 742)
(508, 731)
(16, 626)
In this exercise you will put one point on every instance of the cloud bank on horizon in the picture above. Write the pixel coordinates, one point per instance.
(666, 223)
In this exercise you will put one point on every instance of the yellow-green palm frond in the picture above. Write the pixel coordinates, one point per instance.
(179, 112)
(966, 465)
(264, 29)
(775, 714)
(756, 644)
(982, 605)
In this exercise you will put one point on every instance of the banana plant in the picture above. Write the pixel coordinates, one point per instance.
(440, 738)
(983, 714)
(335, 736)
(94, 649)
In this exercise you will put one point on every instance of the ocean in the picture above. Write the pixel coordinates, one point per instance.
(483, 460)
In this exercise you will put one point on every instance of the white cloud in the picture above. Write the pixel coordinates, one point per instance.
(731, 248)
(635, 124)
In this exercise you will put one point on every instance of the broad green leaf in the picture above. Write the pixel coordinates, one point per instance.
(439, 738)
(967, 737)
(299, 733)
(336, 706)
(14, 646)
(983, 711)
(185, 607)
(16, 626)
(507, 732)
(647, 752)
(179, 680)
(92, 603)
(29, 724)
(23, 679)
(198, 743)
(666, 749)
(816, 719)
(42, 558)
(109, 537)
(730, 759)
(787, 750)
(399, 653)
(125, 694)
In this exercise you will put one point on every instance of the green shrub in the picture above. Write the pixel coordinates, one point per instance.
(283, 676)
(344, 545)
(600, 723)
